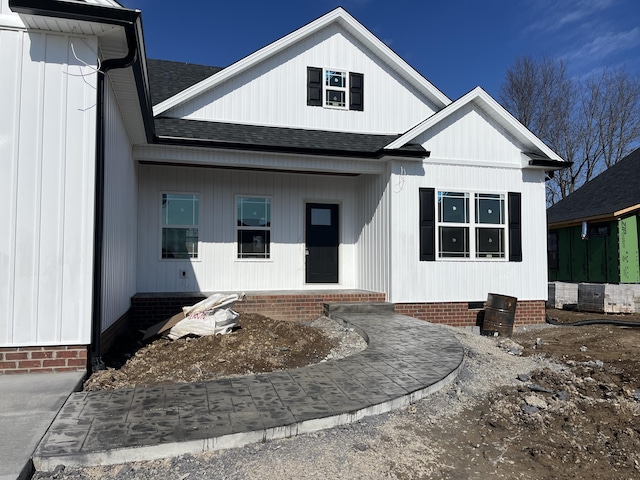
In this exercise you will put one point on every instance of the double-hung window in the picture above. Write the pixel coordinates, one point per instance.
(180, 212)
(490, 225)
(253, 226)
(335, 89)
(471, 225)
(453, 225)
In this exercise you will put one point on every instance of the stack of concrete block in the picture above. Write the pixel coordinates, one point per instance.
(591, 297)
(623, 298)
(563, 294)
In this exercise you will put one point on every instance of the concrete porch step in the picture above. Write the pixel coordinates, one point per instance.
(333, 308)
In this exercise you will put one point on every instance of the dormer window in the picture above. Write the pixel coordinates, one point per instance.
(331, 88)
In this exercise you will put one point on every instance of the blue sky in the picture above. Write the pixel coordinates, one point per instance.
(455, 44)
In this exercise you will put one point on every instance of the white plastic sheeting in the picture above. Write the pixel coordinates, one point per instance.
(211, 316)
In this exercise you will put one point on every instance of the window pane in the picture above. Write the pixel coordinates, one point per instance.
(179, 209)
(490, 242)
(254, 243)
(335, 79)
(254, 212)
(490, 209)
(321, 216)
(179, 243)
(453, 207)
(454, 242)
(335, 98)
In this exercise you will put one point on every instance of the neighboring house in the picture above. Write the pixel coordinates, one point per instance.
(321, 167)
(593, 233)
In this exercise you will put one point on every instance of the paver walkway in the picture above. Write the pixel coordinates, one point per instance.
(406, 359)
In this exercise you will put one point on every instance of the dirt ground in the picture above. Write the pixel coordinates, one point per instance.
(257, 345)
(549, 403)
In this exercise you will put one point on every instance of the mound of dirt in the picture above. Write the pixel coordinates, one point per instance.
(259, 344)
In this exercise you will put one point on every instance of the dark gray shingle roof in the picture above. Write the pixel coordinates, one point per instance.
(167, 78)
(277, 139)
(613, 190)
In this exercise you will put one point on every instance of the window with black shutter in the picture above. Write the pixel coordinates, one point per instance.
(515, 227)
(356, 88)
(427, 225)
(337, 89)
(314, 86)
(470, 225)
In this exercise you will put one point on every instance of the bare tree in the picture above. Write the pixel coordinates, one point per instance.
(592, 123)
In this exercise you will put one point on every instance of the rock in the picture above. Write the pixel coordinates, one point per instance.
(534, 387)
(562, 396)
(636, 395)
(583, 348)
(535, 401)
(596, 363)
(528, 409)
(524, 377)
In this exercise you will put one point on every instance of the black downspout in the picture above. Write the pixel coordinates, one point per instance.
(98, 232)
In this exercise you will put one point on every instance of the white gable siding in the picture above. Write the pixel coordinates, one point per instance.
(47, 149)
(274, 92)
(469, 134)
(217, 268)
(120, 216)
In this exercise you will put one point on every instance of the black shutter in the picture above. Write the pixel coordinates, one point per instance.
(314, 86)
(356, 91)
(515, 227)
(427, 225)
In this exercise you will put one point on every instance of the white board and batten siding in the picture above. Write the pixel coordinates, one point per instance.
(120, 216)
(47, 147)
(273, 92)
(217, 267)
(469, 153)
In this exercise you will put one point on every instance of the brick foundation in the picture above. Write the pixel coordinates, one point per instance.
(458, 314)
(149, 309)
(43, 359)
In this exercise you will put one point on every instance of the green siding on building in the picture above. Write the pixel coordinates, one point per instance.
(629, 261)
(593, 260)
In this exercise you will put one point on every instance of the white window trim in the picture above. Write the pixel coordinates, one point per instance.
(344, 89)
(238, 228)
(163, 226)
(472, 225)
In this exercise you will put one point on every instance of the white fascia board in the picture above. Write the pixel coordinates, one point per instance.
(492, 108)
(11, 22)
(337, 15)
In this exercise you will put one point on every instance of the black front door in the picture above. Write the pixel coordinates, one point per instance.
(322, 239)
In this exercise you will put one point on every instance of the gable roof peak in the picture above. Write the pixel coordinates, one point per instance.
(496, 111)
(338, 15)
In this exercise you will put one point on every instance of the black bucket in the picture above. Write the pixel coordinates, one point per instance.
(499, 315)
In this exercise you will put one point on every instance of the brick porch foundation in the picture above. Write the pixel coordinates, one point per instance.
(43, 359)
(464, 314)
(150, 308)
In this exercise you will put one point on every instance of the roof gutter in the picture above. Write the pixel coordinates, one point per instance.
(131, 21)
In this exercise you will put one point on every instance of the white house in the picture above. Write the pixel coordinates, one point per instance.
(322, 166)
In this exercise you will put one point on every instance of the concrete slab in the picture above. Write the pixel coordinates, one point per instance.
(406, 360)
(28, 404)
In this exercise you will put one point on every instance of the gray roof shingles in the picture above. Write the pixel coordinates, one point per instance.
(229, 135)
(167, 78)
(613, 190)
